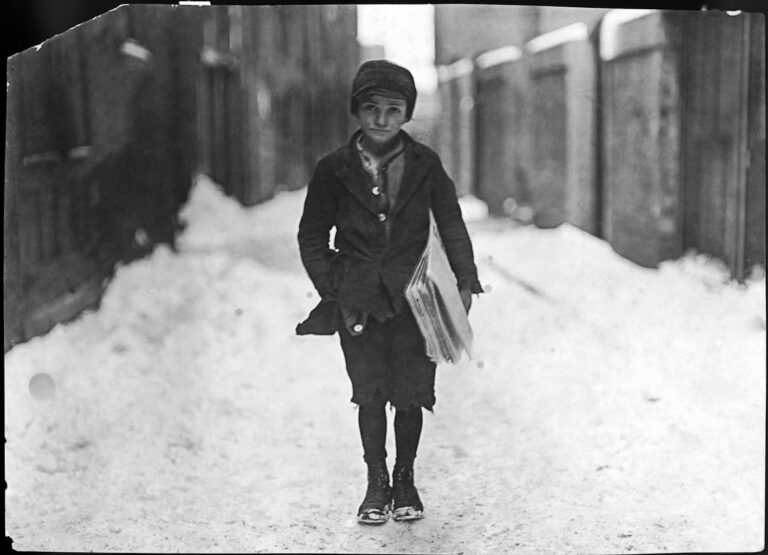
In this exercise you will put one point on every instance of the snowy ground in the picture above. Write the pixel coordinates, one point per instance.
(608, 408)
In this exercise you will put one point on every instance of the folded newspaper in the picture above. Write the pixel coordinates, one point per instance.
(434, 298)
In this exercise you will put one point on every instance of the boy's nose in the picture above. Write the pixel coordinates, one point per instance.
(380, 118)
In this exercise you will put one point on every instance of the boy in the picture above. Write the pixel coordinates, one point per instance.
(377, 191)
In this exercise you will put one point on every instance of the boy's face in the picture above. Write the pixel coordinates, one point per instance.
(380, 118)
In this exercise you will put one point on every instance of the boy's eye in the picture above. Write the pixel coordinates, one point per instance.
(395, 110)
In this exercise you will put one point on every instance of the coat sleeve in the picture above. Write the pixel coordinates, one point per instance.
(317, 219)
(453, 231)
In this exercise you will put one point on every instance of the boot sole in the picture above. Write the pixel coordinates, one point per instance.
(378, 518)
(407, 513)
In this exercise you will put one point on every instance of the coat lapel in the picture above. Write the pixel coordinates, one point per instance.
(353, 177)
(413, 177)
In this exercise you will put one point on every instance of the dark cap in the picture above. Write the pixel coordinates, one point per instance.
(380, 77)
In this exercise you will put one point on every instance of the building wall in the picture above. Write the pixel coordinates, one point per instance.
(554, 17)
(466, 30)
(286, 79)
(646, 130)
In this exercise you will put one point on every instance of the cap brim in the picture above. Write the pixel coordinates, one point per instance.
(388, 93)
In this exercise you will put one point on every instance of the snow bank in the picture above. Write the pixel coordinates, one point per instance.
(610, 408)
(215, 220)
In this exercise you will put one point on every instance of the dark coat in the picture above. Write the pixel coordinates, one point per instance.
(372, 264)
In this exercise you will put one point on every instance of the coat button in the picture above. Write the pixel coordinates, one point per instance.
(376, 191)
(382, 216)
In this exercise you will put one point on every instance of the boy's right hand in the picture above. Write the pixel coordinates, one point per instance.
(466, 298)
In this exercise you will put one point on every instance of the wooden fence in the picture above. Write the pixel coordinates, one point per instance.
(108, 122)
(649, 132)
(95, 160)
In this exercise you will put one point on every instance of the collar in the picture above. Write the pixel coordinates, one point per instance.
(371, 163)
(352, 155)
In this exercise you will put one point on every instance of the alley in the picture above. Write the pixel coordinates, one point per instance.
(608, 407)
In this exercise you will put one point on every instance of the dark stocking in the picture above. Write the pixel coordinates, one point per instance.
(373, 432)
(408, 423)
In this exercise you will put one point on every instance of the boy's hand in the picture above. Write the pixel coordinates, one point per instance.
(466, 298)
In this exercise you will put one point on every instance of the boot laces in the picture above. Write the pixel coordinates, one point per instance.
(403, 474)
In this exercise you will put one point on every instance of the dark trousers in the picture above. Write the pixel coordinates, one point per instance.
(388, 363)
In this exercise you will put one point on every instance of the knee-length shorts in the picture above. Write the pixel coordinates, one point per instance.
(388, 363)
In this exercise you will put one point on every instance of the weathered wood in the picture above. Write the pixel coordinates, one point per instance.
(720, 78)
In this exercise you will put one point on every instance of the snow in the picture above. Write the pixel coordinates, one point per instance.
(498, 56)
(609, 408)
(472, 208)
(612, 21)
(575, 32)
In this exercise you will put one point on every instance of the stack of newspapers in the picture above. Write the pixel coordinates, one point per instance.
(434, 298)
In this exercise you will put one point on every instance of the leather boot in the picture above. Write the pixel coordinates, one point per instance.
(375, 508)
(407, 504)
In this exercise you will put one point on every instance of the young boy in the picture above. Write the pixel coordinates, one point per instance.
(377, 191)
